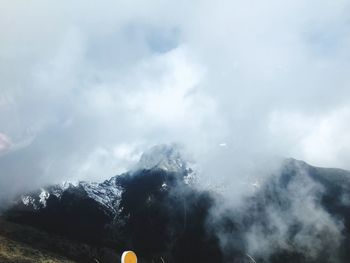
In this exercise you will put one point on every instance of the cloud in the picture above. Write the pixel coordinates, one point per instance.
(5, 143)
(321, 139)
(80, 83)
(295, 222)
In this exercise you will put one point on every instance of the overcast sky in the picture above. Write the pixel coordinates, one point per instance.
(86, 86)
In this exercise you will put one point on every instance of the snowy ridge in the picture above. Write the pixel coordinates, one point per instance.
(37, 199)
(108, 193)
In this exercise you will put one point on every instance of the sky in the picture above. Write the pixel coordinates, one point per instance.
(87, 86)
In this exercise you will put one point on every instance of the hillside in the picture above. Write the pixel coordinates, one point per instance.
(25, 244)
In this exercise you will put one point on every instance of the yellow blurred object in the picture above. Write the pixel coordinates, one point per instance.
(129, 257)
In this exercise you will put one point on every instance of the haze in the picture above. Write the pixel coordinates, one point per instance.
(86, 87)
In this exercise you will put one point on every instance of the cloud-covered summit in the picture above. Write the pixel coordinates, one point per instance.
(85, 88)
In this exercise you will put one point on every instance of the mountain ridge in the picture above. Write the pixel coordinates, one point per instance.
(156, 212)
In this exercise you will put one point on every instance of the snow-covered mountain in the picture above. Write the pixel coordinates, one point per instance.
(300, 214)
(108, 193)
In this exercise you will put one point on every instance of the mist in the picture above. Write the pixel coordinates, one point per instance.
(86, 88)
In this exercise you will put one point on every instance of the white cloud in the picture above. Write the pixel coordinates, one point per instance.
(79, 79)
(320, 139)
(5, 143)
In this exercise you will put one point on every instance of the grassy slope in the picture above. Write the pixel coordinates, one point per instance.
(19, 243)
(25, 244)
(13, 251)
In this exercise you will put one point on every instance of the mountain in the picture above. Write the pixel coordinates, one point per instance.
(299, 214)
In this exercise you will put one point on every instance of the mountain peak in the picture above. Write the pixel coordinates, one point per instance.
(164, 157)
